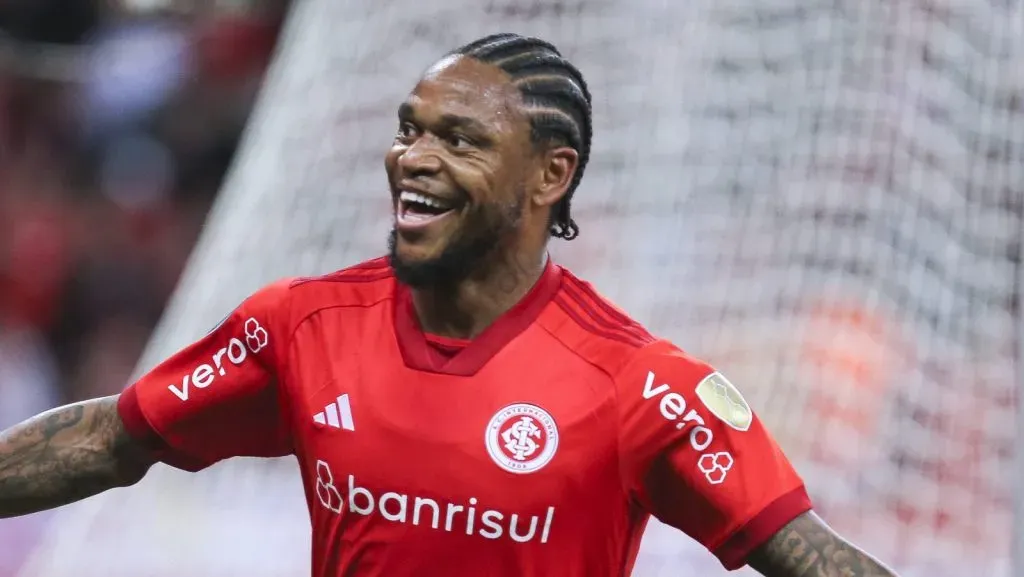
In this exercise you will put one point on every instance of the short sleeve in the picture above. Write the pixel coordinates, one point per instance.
(217, 398)
(695, 455)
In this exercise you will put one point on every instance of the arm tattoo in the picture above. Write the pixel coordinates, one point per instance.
(65, 455)
(807, 547)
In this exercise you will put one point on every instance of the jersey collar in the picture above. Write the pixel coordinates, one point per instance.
(419, 355)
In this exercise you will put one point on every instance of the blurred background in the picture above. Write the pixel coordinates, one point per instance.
(118, 121)
(825, 198)
(116, 129)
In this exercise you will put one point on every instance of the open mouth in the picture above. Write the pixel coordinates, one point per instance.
(416, 208)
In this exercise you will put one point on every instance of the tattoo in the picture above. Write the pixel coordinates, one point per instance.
(807, 547)
(65, 455)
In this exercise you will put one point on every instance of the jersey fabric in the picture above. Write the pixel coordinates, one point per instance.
(539, 448)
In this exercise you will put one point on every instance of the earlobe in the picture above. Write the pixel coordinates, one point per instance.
(559, 168)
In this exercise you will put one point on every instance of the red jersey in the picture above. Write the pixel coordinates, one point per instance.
(540, 447)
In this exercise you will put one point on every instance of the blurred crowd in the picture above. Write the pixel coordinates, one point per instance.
(118, 122)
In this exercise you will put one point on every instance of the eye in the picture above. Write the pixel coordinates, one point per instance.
(458, 141)
(406, 130)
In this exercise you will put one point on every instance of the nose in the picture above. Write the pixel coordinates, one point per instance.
(421, 158)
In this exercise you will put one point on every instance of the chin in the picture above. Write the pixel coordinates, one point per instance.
(416, 264)
(437, 264)
(414, 250)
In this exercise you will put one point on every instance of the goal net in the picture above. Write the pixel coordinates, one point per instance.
(823, 197)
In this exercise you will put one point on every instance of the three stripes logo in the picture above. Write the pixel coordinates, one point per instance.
(337, 415)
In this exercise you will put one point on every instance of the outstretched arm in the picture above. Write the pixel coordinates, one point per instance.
(65, 455)
(807, 547)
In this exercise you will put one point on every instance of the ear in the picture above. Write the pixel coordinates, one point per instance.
(558, 166)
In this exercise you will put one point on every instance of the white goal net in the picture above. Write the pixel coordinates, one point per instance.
(824, 197)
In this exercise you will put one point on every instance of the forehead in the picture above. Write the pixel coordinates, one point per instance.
(466, 87)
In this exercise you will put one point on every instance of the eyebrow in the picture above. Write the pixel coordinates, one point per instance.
(405, 111)
(448, 121)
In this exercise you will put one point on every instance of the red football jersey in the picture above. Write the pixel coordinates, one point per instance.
(540, 447)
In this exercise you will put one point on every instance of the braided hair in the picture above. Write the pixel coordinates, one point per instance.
(557, 102)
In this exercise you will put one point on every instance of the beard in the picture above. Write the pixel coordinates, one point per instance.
(472, 249)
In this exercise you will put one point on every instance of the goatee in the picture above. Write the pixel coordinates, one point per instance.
(472, 250)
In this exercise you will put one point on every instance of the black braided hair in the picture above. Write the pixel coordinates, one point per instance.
(556, 98)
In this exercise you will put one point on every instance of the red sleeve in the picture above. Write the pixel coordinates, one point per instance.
(217, 398)
(697, 458)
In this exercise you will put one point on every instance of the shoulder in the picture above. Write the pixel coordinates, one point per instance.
(367, 276)
(593, 327)
(363, 284)
(290, 300)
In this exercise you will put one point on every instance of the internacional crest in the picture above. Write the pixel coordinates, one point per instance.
(521, 438)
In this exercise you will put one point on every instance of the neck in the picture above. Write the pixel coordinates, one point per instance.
(470, 306)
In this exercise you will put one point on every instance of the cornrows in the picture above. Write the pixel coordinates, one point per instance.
(557, 100)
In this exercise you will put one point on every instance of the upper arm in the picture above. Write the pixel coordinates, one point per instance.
(807, 547)
(219, 397)
(696, 457)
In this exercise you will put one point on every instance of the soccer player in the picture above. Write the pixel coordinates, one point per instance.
(463, 407)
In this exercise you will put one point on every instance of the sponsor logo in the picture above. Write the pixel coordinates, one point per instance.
(468, 518)
(725, 401)
(672, 406)
(715, 466)
(256, 337)
(337, 415)
(234, 353)
(521, 438)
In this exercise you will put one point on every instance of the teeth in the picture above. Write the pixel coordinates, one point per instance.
(407, 197)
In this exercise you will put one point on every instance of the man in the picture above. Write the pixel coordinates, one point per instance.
(464, 407)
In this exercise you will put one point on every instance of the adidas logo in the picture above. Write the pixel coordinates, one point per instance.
(337, 415)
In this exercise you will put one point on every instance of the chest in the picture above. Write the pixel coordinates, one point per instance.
(527, 430)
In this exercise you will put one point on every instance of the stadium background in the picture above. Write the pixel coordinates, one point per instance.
(824, 197)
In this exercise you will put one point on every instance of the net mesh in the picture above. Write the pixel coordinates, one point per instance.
(821, 196)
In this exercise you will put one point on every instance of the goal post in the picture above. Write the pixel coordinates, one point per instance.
(822, 197)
